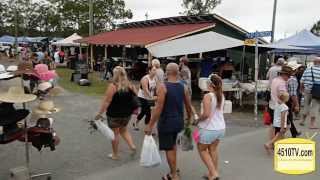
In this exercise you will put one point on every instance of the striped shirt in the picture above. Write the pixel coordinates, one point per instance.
(307, 77)
(293, 86)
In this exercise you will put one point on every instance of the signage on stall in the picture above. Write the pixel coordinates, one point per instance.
(249, 42)
(259, 34)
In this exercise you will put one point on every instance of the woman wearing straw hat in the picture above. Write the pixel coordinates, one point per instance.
(116, 103)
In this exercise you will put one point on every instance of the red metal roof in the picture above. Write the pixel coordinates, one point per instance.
(143, 35)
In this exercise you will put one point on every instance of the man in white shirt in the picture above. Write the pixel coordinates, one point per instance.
(274, 70)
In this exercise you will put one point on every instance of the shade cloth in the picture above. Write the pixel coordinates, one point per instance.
(204, 42)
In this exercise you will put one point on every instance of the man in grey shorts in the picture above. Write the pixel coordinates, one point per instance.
(310, 77)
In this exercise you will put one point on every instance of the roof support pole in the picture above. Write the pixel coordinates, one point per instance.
(80, 49)
(149, 59)
(105, 52)
(91, 56)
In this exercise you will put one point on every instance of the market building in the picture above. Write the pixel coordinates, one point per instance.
(129, 41)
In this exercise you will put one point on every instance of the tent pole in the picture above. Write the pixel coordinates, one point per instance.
(242, 62)
(256, 77)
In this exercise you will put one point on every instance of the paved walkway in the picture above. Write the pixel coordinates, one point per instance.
(242, 157)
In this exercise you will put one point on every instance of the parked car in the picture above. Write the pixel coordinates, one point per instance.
(4, 47)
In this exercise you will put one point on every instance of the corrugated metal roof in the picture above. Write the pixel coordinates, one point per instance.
(144, 35)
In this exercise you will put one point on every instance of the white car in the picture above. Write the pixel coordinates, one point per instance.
(4, 47)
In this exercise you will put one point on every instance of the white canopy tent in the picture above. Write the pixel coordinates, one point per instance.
(69, 41)
(204, 42)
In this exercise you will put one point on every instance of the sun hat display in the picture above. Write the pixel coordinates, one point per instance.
(4, 74)
(12, 68)
(16, 94)
(44, 86)
(46, 108)
(43, 73)
(24, 68)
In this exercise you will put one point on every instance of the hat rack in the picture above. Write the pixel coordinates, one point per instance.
(27, 168)
(27, 149)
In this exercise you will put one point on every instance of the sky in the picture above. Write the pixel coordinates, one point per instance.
(252, 15)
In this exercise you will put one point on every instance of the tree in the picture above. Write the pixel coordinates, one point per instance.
(199, 7)
(316, 29)
(75, 14)
(60, 17)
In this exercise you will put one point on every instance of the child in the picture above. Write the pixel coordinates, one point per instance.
(280, 120)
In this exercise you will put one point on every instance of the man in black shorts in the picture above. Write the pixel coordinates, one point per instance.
(169, 110)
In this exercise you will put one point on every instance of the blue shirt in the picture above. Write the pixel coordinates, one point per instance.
(171, 119)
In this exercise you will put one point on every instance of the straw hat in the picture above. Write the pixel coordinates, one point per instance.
(55, 91)
(286, 70)
(294, 65)
(46, 108)
(44, 86)
(16, 95)
(24, 68)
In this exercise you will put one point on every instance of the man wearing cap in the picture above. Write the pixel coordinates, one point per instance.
(274, 70)
(310, 77)
(278, 86)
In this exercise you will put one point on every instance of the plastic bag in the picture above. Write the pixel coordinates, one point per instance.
(150, 156)
(105, 130)
(185, 140)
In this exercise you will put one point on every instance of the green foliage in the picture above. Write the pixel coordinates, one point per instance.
(61, 17)
(316, 29)
(199, 7)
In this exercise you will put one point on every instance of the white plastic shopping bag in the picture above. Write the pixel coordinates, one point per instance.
(105, 130)
(150, 156)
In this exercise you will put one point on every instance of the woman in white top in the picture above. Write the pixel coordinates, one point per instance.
(146, 96)
(211, 126)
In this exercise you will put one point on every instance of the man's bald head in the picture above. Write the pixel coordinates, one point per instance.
(172, 69)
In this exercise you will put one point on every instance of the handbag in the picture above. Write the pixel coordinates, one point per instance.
(266, 118)
(315, 88)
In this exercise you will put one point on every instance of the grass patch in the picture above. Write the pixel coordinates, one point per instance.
(97, 87)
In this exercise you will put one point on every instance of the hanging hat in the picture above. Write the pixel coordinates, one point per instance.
(44, 86)
(16, 95)
(46, 108)
(55, 91)
(3, 73)
(12, 68)
(9, 115)
(294, 65)
(24, 68)
(43, 73)
(286, 70)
